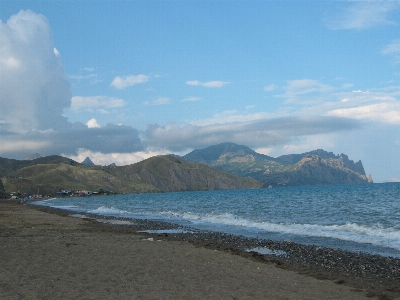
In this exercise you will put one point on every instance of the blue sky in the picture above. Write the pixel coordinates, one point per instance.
(120, 81)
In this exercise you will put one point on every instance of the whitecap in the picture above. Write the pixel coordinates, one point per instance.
(375, 234)
(104, 210)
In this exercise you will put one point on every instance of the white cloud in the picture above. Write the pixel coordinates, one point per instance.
(79, 103)
(270, 88)
(191, 99)
(314, 98)
(107, 139)
(11, 146)
(56, 53)
(383, 112)
(305, 143)
(393, 49)
(231, 116)
(92, 123)
(208, 84)
(392, 179)
(86, 75)
(32, 75)
(130, 80)
(264, 150)
(363, 15)
(158, 101)
(120, 159)
(305, 86)
(272, 131)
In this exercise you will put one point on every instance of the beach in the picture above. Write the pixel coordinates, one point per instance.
(47, 254)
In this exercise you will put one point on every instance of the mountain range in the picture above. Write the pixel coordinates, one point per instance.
(317, 167)
(223, 166)
(165, 173)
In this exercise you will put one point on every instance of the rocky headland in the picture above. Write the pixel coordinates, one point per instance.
(316, 167)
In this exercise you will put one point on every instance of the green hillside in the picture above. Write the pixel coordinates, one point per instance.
(156, 174)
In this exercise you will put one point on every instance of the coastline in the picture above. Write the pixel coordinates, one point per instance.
(82, 257)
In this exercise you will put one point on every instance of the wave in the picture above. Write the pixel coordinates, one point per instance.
(104, 210)
(377, 234)
(374, 234)
(66, 207)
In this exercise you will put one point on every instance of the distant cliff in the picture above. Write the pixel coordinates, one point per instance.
(312, 168)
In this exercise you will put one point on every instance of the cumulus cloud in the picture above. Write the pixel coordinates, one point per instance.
(92, 123)
(130, 80)
(363, 15)
(208, 84)
(90, 103)
(32, 75)
(35, 91)
(253, 134)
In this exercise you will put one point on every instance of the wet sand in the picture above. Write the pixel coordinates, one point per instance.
(45, 254)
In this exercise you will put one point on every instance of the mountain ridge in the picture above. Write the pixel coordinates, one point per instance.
(316, 167)
(222, 166)
(164, 173)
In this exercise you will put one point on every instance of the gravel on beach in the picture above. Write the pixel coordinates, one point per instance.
(46, 255)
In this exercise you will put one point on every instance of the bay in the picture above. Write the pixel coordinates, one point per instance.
(359, 218)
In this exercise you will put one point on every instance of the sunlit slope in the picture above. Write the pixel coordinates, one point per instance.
(156, 174)
(311, 168)
(170, 173)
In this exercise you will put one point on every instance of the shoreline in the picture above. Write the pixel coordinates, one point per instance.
(317, 261)
(365, 275)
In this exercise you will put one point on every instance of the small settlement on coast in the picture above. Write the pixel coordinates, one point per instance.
(61, 193)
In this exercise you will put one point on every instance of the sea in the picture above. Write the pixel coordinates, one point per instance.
(359, 218)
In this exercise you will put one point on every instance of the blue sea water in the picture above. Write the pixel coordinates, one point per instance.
(360, 218)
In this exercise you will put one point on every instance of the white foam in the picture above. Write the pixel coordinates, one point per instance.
(80, 216)
(265, 250)
(377, 234)
(114, 222)
(66, 207)
(104, 210)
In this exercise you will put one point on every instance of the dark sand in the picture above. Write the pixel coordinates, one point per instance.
(48, 255)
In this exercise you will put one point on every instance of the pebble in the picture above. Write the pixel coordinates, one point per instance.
(363, 265)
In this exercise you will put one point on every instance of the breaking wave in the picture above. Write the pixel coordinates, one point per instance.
(377, 234)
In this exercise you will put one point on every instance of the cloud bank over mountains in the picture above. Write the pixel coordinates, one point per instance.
(36, 92)
(269, 132)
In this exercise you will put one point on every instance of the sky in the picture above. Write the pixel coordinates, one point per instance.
(121, 81)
